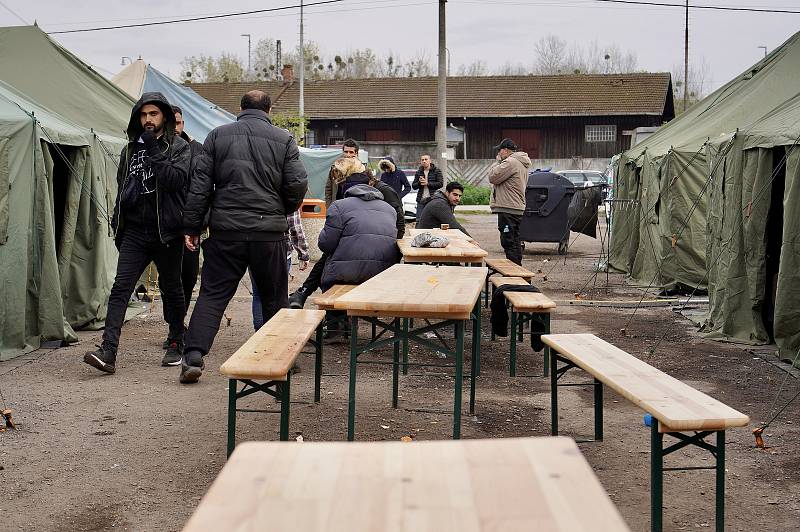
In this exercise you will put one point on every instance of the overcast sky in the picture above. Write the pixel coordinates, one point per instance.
(496, 32)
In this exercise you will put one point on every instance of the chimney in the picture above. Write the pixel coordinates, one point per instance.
(287, 72)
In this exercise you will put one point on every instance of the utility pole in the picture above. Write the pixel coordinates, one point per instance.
(301, 104)
(278, 59)
(248, 51)
(686, 60)
(441, 122)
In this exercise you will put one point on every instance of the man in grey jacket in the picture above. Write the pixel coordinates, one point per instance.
(509, 178)
(250, 176)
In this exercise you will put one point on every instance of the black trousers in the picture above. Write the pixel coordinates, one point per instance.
(314, 278)
(136, 251)
(508, 225)
(225, 262)
(191, 265)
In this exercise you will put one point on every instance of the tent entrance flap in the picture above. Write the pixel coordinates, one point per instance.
(774, 240)
(60, 179)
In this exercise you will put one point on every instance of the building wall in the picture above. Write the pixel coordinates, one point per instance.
(542, 138)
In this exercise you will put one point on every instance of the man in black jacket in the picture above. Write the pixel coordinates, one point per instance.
(191, 259)
(251, 177)
(439, 210)
(151, 190)
(427, 180)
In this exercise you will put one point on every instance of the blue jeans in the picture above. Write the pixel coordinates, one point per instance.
(258, 318)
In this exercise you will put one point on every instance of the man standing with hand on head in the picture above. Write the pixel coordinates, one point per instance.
(509, 177)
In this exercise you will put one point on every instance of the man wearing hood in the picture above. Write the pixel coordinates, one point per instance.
(394, 177)
(439, 209)
(348, 172)
(151, 191)
(509, 177)
(250, 178)
(359, 236)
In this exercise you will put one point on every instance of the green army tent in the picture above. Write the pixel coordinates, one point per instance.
(710, 202)
(61, 130)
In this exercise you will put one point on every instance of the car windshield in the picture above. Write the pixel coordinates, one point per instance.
(576, 177)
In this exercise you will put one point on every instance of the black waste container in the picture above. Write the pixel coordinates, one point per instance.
(546, 217)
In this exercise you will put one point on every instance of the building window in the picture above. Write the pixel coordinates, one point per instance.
(311, 137)
(601, 133)
(336, 135)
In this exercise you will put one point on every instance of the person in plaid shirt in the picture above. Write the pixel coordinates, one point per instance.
(296, 238)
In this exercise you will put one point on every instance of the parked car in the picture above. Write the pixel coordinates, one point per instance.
(410, 199)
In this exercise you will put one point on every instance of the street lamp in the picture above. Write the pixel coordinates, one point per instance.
(248, 50)
(124, 57)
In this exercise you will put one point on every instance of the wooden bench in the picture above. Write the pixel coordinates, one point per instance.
(675, 408)
(506, 268)
(269, 356)
(525, 307)
(326, 299)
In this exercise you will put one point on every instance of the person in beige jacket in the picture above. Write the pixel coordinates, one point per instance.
(509, 177)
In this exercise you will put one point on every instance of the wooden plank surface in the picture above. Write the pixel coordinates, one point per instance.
(676, 405)
(509, 268)
(325, 300)
(272, 350)
(504, 484)
(410, 290)
(529, 301)
(452, 234)
(457, 251)
(497, 280)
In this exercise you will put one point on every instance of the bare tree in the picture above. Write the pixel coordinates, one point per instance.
(510, 69)
(476, 68)
(698, 83)
(265, 59)
(226, 68)
(551, 55)
(419, 65)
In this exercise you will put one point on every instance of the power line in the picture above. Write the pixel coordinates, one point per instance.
(195, 19)
(715, 8)
(13, 13)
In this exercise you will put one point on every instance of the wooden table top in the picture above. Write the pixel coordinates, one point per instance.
(508, 484)
(677, 406)
(458, 250)
(417, 291)
(452, 234)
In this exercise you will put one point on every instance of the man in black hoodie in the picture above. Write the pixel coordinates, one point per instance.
(250, 177)
(151, 190)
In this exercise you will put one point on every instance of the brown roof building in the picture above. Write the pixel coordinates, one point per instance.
(550, 117)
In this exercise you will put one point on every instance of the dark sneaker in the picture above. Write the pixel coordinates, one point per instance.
(174, 354)
(102, 359)
(192, 367)
(297, 299)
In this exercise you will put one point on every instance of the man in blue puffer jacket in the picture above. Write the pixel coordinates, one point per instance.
(359, 236)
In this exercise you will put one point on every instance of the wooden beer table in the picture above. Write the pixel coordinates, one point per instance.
(449, 295)
(452, 234)
(508, 484)
(458, 251)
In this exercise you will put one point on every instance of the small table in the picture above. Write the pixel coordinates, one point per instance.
(406, 291)
(508, 484)
(458, 251)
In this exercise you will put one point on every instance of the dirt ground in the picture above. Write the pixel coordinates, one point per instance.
(137, 450)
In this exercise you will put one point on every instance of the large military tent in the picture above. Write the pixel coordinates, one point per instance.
(712, 202)
(61, 130)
